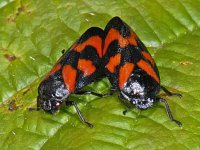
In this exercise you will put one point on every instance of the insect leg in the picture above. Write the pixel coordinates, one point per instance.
(112, 90)
(36, 108)
(70, 103)
(170, 93)
(169, 112)
(126, 103)
(93, 93)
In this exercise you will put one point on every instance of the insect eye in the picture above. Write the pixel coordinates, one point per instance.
(56, 104)
(53, 95)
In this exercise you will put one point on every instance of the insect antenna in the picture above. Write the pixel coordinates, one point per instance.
(34, 108)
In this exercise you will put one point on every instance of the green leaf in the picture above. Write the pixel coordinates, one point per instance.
(32, 35)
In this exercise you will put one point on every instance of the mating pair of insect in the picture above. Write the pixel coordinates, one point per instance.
(115, 52)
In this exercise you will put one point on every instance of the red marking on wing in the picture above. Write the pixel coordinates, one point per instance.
(124, 73)
(114, 34)
(86, 66)
(148, 69)
(133, 39)
(69, 77)
(113, 62)
(53, 70)
(148, 57)
(94, 41)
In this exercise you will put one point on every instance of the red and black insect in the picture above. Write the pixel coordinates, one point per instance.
(115, 52)
(77, 67)
(131, 69)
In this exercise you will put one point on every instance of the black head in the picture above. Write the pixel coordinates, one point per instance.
(140, 90)
(51, 93)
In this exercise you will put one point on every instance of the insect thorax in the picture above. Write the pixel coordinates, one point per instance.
(51, 93)
(138, 92)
